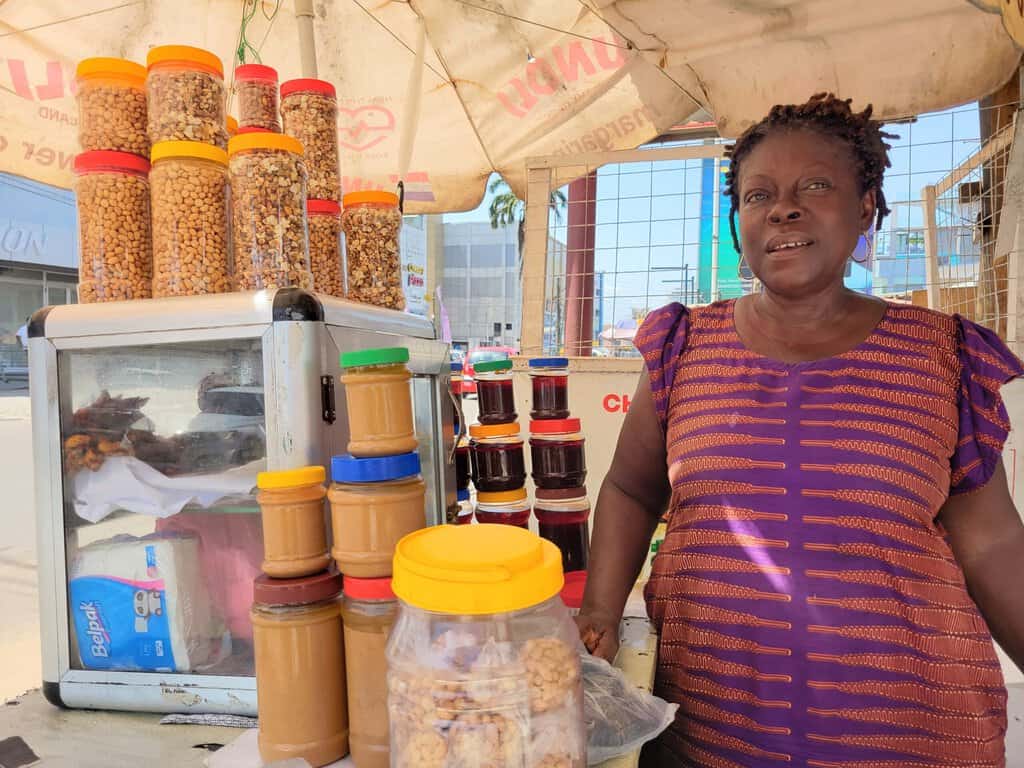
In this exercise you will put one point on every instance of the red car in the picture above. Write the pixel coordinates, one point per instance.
(482, 355)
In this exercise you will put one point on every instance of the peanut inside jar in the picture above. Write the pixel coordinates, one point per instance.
(186, 95)
(112, 106)
(309, 110)
(325, 246)
(256, 91)
(372, 224)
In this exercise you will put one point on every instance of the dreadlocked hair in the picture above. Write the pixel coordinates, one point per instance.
(828, 116)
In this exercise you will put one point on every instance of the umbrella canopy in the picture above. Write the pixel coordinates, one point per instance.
(505, 80)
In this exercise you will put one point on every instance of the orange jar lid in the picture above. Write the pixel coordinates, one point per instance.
(232, 125)
(370, 196)
(184, 56)
(246, 142)
(196, 150)
(501, 497)
(494, 430)
(112, 69)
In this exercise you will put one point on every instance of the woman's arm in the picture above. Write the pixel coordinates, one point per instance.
(633, 497)
(987, 537)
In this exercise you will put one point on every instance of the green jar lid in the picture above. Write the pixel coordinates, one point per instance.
(491, 366)
(363, 357)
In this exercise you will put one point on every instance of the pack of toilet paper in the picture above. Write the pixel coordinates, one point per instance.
(140, 604)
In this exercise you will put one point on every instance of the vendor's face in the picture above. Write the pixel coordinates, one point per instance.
(800, 211)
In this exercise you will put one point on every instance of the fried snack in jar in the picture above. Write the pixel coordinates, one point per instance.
(256, 89)
(268, 212)
(112, 106)
(325, 246)
(186, 96)
(309, 108)
(372, 224)
(112, 195)
(189, 185)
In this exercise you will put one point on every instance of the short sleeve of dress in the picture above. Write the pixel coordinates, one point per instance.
(661, 340)
(986, 364)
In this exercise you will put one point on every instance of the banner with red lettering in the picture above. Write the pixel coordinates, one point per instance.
(507, 80)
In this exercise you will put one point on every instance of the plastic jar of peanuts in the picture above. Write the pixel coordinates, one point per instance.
(268, 212)
(187, 100)
(325, 246)
(189, 183)
(483, 667)
(256, 89)
(309, 109)
(372, 224)
(112, 106)
(115, 258)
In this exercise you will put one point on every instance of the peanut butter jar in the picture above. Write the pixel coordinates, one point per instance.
(300, 668)
(374, 503)
(379, 402)
(294, 527)
(368, 612)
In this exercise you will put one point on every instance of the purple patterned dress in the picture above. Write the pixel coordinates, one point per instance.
(811, 612)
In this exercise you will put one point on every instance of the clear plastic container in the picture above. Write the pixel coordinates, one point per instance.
(294, 525)
(505, 508)
(268, 212)
(189, 185)
(497, 459)
(562, 518)
(112, 106)
(115, 254)
(379, 402)
(372, 224)
(368, 612)
(483, 667)
(557, 451)
(256, 89)
(310, 111)
(325, 247)
(186, 96)
(495, 396)
(465, 513)
(549, 377)
(374, 503)
(300, 669)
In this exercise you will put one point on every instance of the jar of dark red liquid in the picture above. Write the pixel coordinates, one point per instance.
(465, 515)
(496, 457)
(556, 447)
(495, 398)
(562, 518)
(505, 508)
(462, 472)
(550, 379)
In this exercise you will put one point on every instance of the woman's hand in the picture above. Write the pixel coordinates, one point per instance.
(600, 634)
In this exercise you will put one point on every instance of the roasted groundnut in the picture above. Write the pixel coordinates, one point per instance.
(112, 194)
(372, 224)
(553, 669)
(325, 246)
(268, 212)
(185, 90)
(112, 106)
(256, 91)
(189, 184)
(309, 109)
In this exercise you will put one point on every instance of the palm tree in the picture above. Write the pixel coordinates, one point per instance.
(506, 209)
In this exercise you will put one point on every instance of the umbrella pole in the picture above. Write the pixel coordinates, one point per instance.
(307, 39)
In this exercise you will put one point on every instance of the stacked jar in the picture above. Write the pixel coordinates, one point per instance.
(559, 470)
(186, 97)
(297, 625)
(377, 498)
(256, 89)
(372, 223)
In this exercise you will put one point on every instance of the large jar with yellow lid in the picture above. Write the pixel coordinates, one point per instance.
(189, 184)
(268, 212)
(112, 106)
(294, 522)
(483, 666)
(186, 95)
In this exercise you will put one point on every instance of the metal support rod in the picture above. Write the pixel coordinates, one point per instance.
(931, 249)
(716, 204)
(304, 15)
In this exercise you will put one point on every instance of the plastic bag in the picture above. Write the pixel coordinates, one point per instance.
(620, 717)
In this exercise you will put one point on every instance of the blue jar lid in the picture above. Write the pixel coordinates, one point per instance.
(349, 469)
(463, 495)
(456, 366)
(549, 362)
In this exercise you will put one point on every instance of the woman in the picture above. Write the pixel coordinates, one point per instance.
(841, 540)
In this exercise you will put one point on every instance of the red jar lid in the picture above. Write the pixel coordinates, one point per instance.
(369, 589)
(560, 494)
(251, 129)
(575, 585)
(323, 207)
(109, 160)
(310, 589)
(255, 72)
(555, 426)
(310, 84)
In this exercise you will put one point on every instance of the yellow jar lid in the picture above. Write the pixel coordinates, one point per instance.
(232, 125)
(184, 56)
(194, 149)
(501, 497)
(118, 69)
(291, 478)
(475, 570)
(243, 142)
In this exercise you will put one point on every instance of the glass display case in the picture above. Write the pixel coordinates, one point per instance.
(151, 420)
